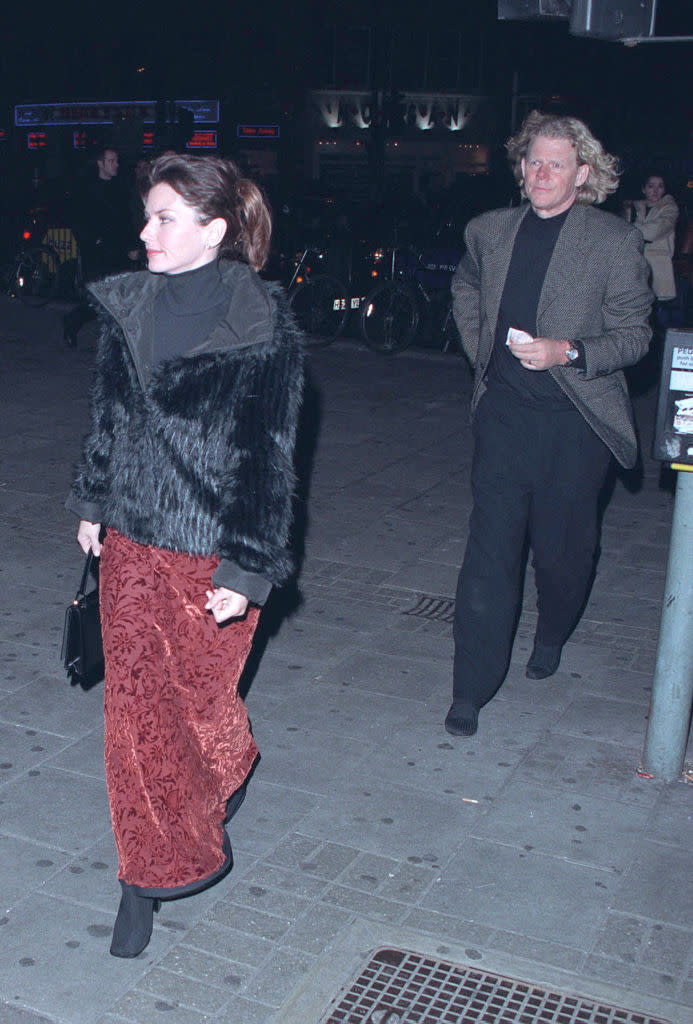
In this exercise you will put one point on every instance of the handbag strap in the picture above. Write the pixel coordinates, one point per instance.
(85, 574)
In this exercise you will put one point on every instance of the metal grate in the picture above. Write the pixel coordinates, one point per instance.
(440, 609)
(399, 987)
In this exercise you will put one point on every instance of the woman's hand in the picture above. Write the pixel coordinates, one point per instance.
(88, 537)
(226, 604)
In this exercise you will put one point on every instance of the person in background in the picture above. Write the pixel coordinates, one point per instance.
(655, 216)
(188, 466)
(103, 231)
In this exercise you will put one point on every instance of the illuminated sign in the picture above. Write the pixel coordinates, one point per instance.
(36, 140)
(202, 140)
(258, 131)
(32, 115)
(3, 135)
(79, 139)
(148, 139)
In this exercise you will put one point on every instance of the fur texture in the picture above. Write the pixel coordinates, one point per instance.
(201, 459)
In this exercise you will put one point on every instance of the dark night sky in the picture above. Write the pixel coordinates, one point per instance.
(261, 56)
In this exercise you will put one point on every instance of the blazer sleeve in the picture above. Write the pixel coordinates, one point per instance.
(466, 288)
(257, 502)
(625, 308)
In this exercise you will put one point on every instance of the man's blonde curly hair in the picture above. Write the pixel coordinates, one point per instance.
(604, 168)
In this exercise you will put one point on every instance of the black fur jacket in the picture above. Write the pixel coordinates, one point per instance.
(196, 455)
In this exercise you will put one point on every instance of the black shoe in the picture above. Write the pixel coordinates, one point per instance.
(133, 925)
(461, 719)
(544, 660)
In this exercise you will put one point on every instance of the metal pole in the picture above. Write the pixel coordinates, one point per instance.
(672, 689)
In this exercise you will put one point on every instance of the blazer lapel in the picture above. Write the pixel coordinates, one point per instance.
(497, 263)
(567, 262)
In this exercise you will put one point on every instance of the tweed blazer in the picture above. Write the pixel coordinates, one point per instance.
(595, 291)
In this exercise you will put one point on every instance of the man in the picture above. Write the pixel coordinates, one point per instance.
(552, 301)
(105, 219)
(102, 221)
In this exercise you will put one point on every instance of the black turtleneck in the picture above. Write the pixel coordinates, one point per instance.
(187, 309)
(532, 252)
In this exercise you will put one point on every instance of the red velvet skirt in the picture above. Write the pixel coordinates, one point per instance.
(177, 737)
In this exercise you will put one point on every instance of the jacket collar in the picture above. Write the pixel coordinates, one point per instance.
(129, 299)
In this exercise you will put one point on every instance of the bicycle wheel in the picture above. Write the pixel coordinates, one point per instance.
(389, 318)
(37, 275)
(320, 306)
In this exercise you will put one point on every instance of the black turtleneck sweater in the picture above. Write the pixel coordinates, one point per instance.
(187, 309)
(532, 252)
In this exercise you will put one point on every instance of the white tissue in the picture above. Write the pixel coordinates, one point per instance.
(519, 337)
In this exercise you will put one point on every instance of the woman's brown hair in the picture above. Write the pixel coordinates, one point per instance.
(215, 188)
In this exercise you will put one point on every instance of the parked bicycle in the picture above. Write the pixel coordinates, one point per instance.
(398, 310)
(48, 264)
(320, 302)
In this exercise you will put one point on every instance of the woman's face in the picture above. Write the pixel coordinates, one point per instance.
(173, 236)
(653, 189)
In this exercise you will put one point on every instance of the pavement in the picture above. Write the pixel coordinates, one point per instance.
(533, 850)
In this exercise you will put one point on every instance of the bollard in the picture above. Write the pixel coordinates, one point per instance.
(672, 689)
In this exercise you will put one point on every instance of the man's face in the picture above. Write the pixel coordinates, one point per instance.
(552, 175)
(108, 165)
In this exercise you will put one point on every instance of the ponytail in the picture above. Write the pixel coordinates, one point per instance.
(256, 225)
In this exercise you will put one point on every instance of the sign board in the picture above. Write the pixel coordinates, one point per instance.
(202, 140)
(32, 115)
(673, 441)
(258, 131)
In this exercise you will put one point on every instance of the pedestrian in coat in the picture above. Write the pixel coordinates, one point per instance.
(551, 300)
(188, 468)
(655, 216)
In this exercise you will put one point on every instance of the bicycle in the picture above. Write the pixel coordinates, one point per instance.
(36, 275)
(320, 302)
(48, 270)
(395, 310)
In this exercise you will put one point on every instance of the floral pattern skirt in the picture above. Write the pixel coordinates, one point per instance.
(177, 736)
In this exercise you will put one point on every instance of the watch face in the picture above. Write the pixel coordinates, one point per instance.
(572, 354)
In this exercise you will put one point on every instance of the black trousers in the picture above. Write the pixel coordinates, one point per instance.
(536, 474)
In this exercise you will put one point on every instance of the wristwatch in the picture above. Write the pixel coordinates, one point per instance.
(572, 354)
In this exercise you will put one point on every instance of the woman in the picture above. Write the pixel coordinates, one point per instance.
(189, 467)
(656, 217)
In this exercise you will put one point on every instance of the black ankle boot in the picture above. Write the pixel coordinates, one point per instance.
(133, 925)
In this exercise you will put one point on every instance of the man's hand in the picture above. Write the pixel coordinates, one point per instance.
(541, 353)
(226, 604)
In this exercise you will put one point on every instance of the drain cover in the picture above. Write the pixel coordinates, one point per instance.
(438, 609)
(399, 987)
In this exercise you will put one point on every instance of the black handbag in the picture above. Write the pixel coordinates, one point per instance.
(82, 649)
